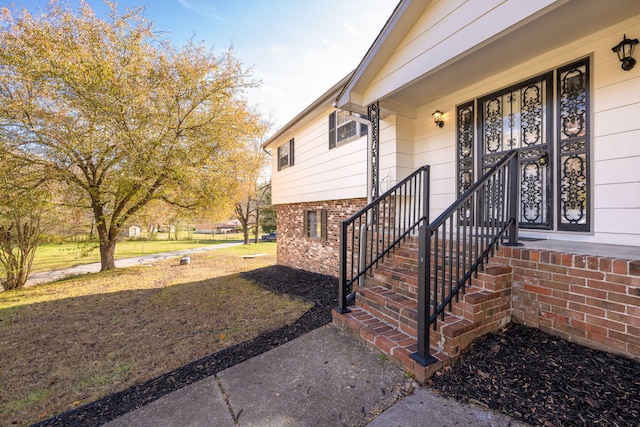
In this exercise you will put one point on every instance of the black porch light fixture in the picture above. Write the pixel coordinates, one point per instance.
(437, 117)
(624, 49)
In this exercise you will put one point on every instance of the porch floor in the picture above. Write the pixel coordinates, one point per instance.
(581, 248)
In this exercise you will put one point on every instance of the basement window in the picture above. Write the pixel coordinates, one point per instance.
(315, 224)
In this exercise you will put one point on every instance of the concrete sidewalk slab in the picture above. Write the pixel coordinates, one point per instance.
(426, 408)
(199, 405)
(324, 378)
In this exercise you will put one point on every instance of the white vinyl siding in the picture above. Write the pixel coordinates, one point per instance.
(321, 174)
(615, 151)
(448, 29)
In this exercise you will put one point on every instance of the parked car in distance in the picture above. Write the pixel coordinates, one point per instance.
(271, 237)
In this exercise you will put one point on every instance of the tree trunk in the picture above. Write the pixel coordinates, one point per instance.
(107, 254)
(256, 229)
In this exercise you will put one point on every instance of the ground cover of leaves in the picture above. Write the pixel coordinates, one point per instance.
(545, 381)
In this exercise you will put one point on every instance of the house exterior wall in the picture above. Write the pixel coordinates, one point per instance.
(615, 153)
(321, 177)
(319, 173)
(448, 28)
(334, 180)
(396, 150)
(313, 254)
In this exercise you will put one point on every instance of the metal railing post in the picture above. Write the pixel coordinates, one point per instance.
(513, 201)
(422, 355)
(362, 251)
(342, 291)
(425, 195)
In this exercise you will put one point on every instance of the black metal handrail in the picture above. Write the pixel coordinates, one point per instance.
(454, 246)
(374, 231)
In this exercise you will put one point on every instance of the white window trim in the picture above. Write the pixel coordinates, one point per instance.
(334, 142)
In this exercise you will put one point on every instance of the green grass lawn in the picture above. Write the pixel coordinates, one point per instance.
(56, 256)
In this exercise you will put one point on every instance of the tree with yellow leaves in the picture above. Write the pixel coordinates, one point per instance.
(118, 115)
(23, 201)
(253, 186)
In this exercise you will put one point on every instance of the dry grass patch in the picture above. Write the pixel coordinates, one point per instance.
(66, 344)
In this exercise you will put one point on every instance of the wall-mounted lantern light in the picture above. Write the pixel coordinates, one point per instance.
(437, 117)
(624, 49)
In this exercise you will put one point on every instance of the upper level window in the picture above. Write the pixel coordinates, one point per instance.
(285, 155)
(343, 128)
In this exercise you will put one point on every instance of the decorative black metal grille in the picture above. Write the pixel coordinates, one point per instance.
(531, 192)
(465, 154)
(532, 115)
(573, 189)
(573, 147)
(519, 118)
(374, 117)
(516, 119)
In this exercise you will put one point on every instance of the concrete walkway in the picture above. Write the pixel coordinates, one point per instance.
(50, 276)
(324, 378)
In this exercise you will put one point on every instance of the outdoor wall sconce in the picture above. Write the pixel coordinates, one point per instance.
(437, 117)
(624, 49)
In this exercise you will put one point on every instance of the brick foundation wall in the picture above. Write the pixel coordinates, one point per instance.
(590, 300)
(311, 254)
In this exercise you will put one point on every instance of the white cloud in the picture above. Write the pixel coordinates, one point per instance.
(350, 28)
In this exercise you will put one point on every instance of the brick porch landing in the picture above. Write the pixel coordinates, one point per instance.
(588, 294)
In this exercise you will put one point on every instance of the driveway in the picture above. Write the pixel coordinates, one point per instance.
(50, 276)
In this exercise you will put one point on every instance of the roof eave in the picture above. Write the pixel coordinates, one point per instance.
(327, 98)
(398, 17)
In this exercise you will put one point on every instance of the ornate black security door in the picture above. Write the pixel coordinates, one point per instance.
(519, 118)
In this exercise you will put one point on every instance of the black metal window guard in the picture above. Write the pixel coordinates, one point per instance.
(374, 231)
(454, 246)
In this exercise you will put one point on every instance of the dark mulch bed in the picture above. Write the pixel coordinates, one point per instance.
(319, 289)
(545, 381)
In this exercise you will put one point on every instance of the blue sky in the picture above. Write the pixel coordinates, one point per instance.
(298, 48)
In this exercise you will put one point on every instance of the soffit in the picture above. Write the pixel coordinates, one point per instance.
(569, 22)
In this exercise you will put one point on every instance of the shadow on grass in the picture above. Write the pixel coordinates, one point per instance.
(318, 289)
